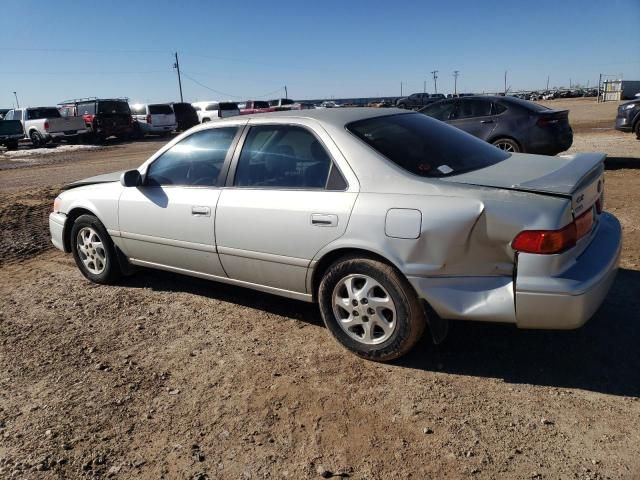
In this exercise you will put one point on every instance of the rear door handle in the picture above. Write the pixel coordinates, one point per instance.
(201, 211)
(324, 220)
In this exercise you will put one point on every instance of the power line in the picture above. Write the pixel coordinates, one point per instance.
(228, 94)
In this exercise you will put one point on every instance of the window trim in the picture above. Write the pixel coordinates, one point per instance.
(222, 175)
(231, 174)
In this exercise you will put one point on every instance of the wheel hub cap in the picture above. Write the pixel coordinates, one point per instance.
(91, 250)
(364, 309)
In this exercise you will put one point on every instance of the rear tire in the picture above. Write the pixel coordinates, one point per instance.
(370, 308)
(507, 145)
(93, 250)
(36, 138)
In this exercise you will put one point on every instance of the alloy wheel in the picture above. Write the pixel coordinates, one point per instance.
(364, 309)
(91, 250)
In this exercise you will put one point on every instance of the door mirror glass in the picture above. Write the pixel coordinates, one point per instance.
(131, 178)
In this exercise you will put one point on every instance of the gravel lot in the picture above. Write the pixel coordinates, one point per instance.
(172, 377)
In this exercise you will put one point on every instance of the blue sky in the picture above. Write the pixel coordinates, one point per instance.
(53, 50)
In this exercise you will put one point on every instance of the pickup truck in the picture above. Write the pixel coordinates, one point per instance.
(45, 124)
(10, 133)
(255, 106)
(418, 100)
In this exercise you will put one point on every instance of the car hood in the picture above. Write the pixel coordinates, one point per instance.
(104, 178)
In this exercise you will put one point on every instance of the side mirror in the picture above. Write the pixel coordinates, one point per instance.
(131, 178)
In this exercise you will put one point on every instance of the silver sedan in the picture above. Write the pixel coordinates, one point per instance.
(391, 221)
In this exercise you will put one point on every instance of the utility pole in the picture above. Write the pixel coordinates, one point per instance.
(547, 82)
(505, 82)
(424, 87)
(435, 81)
(17, 102)
(176, 65)
(599, 85)
(455, 82)
(400, 88)
(286, 95)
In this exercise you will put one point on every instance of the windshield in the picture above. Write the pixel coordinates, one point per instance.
(113, 107)
(162, 109)
(46, 112)
(424, 146)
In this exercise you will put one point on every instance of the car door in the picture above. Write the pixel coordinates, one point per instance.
(169, 220)
(285, 199)
(474, 116)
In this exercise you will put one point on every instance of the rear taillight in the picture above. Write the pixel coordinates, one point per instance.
(548, 242)
(149, 119)
(546, 121)
(46, 126)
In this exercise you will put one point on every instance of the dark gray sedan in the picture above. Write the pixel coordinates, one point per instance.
(509, 123)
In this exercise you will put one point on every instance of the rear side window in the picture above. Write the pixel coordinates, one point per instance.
(40, 113)
(211, 107)
(195, 161)
(474, 107)
(282, 156)
(87, 108)
(424, 146)
(161, 109)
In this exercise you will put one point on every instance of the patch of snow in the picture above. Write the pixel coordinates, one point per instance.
(34, 153)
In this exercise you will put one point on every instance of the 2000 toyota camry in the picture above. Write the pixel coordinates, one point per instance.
(390, 221)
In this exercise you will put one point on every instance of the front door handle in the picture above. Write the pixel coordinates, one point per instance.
(486, 121)
(201, 211)
(324, 220)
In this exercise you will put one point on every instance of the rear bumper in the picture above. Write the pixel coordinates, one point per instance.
(146, 128)
(67, 134)
(569, 300)
(56, 228)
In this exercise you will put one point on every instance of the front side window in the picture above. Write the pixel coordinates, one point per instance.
(195, 161)
(442, 111)
(282, 156)
(424, 146)
(9, 115)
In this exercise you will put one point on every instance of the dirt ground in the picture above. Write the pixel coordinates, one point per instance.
(171, 377)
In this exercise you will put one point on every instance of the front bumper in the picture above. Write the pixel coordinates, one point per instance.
(56, 228)
(623, 123)
(568, 300)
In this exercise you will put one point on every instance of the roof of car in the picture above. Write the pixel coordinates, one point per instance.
(335, 116)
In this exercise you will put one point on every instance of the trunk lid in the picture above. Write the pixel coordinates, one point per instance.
(65, 124)
(578, 176)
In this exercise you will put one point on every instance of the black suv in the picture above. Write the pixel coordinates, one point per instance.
(104, 117)
(628, 118)
(418, 100)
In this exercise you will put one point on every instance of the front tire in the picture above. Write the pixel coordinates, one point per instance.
(507, 145)
(93, 250)
(637, 130)
(370, 308)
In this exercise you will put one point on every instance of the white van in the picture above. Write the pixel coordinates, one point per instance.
(208, 111)
(155, 118)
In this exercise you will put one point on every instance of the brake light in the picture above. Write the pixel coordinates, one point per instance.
(546, 121)
(46, 126)
(149, 119)
(548, 242)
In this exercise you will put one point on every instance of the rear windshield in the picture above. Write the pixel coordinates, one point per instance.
(259, 104)
(160, 109)
(424, 146)
(183, 108)
(228, 106)
(113, 107)
(37, 113)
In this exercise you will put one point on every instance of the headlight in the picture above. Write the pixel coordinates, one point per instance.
(628, 106)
